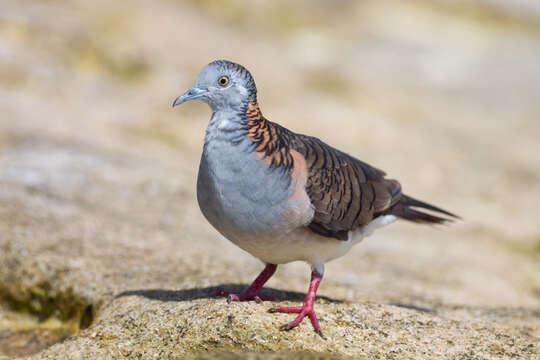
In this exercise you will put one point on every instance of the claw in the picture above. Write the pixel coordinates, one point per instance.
(285, 327)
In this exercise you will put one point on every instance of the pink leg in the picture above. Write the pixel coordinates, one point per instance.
(306, 309)
(253, 292)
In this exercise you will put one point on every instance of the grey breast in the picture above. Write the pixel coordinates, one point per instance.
(238, 193)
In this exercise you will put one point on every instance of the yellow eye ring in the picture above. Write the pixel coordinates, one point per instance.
(223, 81)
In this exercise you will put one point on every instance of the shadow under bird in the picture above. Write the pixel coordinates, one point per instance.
(283, 196)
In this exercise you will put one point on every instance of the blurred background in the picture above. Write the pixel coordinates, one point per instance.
(98, 172)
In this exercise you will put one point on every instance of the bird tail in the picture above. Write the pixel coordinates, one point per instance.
(407, 208)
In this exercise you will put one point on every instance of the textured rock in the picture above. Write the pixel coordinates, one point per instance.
(100, 233)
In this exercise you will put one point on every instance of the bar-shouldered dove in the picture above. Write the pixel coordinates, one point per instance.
(283, 196)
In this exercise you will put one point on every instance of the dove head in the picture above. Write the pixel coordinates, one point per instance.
(223, 85)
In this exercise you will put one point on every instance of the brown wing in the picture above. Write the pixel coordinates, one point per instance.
(345, 192)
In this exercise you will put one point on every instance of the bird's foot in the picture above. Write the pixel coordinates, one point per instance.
(303, 311)
(257, 296)
(253, 292)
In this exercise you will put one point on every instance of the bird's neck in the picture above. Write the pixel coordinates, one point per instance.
(227, 126)
(253, 113)
(270, 139)
(249, 129)
(230, 122)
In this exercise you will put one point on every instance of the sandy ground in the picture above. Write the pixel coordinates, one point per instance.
(99, 226)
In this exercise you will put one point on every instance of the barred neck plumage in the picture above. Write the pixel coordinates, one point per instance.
(266, 138)
(270, 139)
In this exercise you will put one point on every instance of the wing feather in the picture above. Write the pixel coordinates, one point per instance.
(345, 192)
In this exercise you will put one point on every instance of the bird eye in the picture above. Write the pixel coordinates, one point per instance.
(223, 81)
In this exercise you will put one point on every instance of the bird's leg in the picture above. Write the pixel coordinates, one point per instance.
(253, 292)
(307, 308)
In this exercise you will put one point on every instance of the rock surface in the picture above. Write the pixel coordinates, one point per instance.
(100, 234)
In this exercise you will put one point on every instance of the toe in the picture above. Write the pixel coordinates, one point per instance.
(303, 312)
(286, 309)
